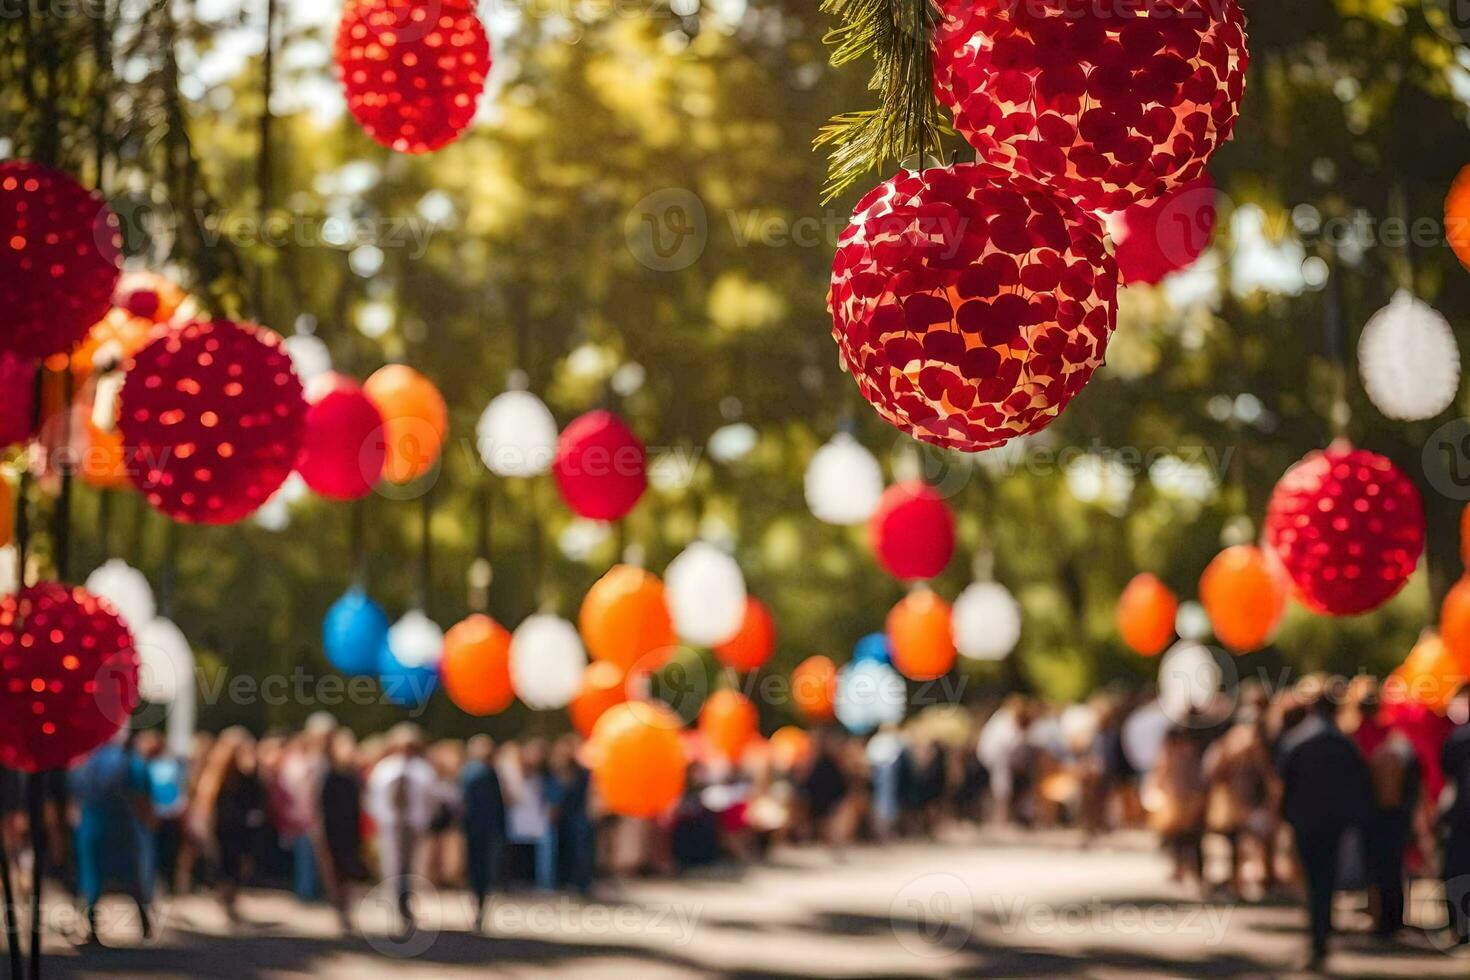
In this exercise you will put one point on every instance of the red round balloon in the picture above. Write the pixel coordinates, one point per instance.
(1110, 107)
(1155, 238)
(412, 71)
(211, 416)
(971, 305)
(912, 531)
(342, 449)
(601, 467)
(70, 676)
(60, 257)
(753, 645)
(18, 407)
(1348, 527)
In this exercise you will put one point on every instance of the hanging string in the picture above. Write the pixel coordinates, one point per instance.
(263, 170)
(480, 569)
(357, 542)
(426, 518)
(1334, 345)
(169, 579)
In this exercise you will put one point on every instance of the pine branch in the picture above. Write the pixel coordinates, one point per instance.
(897, 35)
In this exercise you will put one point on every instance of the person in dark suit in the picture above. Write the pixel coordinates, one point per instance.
(484, 821)
(1455, 759)
(1325, 790)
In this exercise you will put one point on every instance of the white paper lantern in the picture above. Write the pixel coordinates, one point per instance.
(127, 589)
(1191, 622)
(546, 662)
(1189, 678)
(165, 661)
(1409, 360)
(416, 640)
(310, 358)
(987, 621)
(843, 482)
(516, 435)
(869, 694)
(706, 595)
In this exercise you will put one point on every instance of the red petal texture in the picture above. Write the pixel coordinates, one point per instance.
(912, 531)
(342, 446)
(1112, 104)
(601, 467)
(1156, 238)
(970, 304)
(1348, 527)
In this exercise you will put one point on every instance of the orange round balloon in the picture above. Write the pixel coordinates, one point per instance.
(637, 759)
(7, 511)
(753, 645)
(415, 420)
(625, 620)
(728, 721)
(1244, 596)
(1454, 622)
(476, 666)
(1457, 216)
(1431, 674)
(103, 464)
(1465, 536)
(814, 688)
(921, 634)
(790, 747)
(1146, 612)
(604, 686)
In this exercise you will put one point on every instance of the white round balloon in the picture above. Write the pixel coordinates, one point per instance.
(127, 589)
(516, 435)
(843, 482)
(1189, 678)
(706, 595)
(869, 694)
(546, 662)
(1409, 360)
(1191, 622)
(165, 661)
(416, 640)
(310, 357)
(987, 621)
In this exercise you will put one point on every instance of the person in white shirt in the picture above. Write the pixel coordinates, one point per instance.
(402, 796)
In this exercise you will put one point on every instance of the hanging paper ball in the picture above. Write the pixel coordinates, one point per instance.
(342, 444)
(728, 721)
(353, 634)
(791, 747)
(1145, 615)
(637, 759)
(211, 415)
(148, 296)
(1409, 360)
(311, 359)
(165, 661)
(476, 666)
(1348, 527)
(869, 694)
(60, 256)
(18, 408)
(1244, 595)
(103, 463)
(969, 305)
(600, 467)
(1189, 679)
(706, 592)
(843, 482)
(912, 531)
(625, 620)
(68, 676)
(1457, 216)
(416, 640)
(413, 72)
(1430, 675)
(987, 621)
(754, 643)
(127, 591)
(814, 688)
(546, 662)
(874, 647)
(415, 421)
(405, 685)
(1454, 621)
(111, 341)
(921, 632)
(1110, 108)
(1154, 238)
(517, 435)
(1191, 622)
(603, 686)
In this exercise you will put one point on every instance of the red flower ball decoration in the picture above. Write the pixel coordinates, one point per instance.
(211, 416)
(1348, 527)
(68, 676)
(600, 467)
(413, 70)
(912, 531)
(342, 446)
(1110, 106)
(971, 305)
(60, 257)
(1155, 238)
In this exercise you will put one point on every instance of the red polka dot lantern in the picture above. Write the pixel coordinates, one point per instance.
(342, 449)
(17, 408)
(601, 467)
(971, 305)
(68, 676)
(60, 257)
(412, 70)
(1155, 238)
(1110, 106)
(1348, 527)
(212, 417)
(912, 531)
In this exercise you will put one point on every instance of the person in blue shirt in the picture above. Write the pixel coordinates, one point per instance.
(483, 815)
(111, 788)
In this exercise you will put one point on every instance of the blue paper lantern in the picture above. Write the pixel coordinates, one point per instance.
(873, 647)
(406, 687)
(353, 632)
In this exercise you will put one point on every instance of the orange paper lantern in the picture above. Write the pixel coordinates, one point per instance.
(1454, 621)
(476, 666)
(1244, 595)
(814, 688)
(790, 747)
(625, 620)
(1146, 612)
(415, 421)
(103, 464)
(728, 722)
(1457, 216)
(753, 645)
(604, 686)
(1430, 675)
(1465, 536)
(637, 759)
(921, 635)
(111, 341)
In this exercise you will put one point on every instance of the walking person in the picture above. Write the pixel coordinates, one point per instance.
(1393, 768)
(402, 799)
(483, 819)
(111, 790)
(229, 814)
(341, 824)
(1455, 760)
(576, 835)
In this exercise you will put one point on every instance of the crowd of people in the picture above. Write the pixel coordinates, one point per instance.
(1315, 790)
